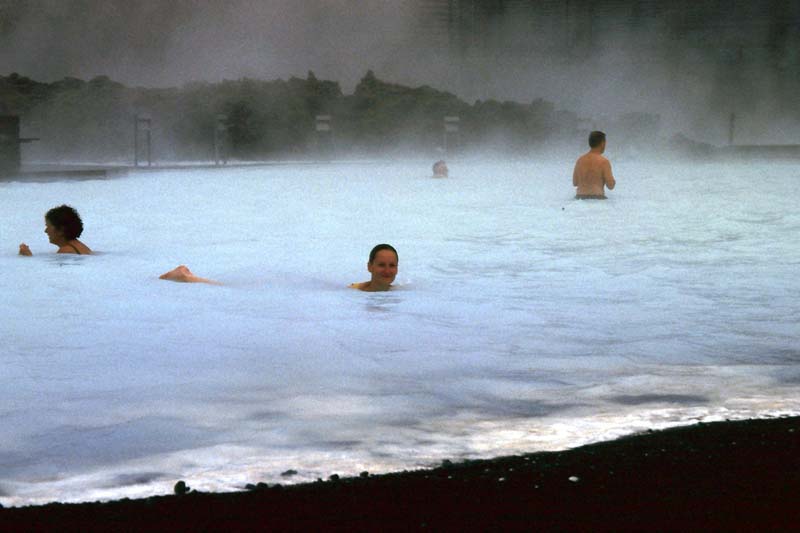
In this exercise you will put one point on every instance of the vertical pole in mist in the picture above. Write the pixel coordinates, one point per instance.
(136, 140)
(451, 128)
(10, 155)
(731, 129)
(149, 145)
(141, 123)
(324, 133)
(220, 134)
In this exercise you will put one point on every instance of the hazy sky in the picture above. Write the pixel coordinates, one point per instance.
(637, 61)
(168, 42)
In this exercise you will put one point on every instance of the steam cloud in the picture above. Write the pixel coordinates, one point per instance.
(689, 61)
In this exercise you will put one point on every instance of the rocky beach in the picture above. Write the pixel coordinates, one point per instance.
(735, 475)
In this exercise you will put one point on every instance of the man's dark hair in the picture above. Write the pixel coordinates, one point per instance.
(596, 138)
(380, 247)
(67, 220)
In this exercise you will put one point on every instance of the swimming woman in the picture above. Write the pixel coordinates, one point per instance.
(63, 226)
(382, 265)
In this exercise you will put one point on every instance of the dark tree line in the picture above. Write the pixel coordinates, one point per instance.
(81, 120)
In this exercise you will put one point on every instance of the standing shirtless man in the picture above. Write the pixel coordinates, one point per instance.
(593, 171)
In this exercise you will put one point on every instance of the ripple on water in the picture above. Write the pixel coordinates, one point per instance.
(526, 326)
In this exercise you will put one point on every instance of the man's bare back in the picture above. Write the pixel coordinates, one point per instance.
(592, 173)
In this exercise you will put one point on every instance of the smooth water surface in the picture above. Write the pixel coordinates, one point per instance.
(522, 319)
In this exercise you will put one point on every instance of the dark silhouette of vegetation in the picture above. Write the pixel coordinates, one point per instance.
(93, 119)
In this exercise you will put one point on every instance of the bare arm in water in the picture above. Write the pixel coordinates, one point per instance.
(608, 177)
(184, 275)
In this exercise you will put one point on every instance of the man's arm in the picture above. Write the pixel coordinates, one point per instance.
(608, 177)
(575, 175)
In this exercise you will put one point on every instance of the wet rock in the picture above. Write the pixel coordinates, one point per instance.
(181, 488)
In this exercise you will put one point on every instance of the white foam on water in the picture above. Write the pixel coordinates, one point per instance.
(523, 320)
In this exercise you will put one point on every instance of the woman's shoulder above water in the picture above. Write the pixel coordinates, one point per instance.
(74, 247)
(368, 286)
(77, 248)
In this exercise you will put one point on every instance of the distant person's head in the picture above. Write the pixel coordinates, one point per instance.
(63, 222)
(597, 139)
(440, 168)
(382, 264)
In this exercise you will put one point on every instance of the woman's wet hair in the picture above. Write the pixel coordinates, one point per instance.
(380, 247)
(66, 219)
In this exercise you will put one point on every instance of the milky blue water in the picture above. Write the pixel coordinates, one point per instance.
(522, 320)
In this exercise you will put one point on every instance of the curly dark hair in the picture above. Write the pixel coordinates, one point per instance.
(380, 247)
(66, 219)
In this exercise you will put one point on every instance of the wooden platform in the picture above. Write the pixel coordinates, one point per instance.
(762, 151)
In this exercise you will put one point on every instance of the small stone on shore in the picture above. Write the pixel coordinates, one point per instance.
(181, 488)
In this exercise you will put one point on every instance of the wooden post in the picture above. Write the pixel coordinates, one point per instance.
(324, 133)
(142, 122)
(10, 155)
(451, 127)
(220, 135)
(136, 140)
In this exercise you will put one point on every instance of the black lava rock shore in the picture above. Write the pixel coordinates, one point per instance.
(742, 475)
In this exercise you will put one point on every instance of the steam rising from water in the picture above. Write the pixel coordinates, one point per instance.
(692, 63)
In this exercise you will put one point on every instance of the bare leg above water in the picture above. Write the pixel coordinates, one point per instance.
(182, 274)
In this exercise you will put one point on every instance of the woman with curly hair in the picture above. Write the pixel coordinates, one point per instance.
(63, 226)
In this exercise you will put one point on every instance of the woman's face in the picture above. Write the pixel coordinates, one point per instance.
(384, 267)
(55, 234)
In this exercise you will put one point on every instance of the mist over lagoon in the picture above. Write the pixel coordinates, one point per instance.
(691, 63)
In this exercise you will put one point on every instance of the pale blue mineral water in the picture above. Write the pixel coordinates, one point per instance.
(522, 320)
